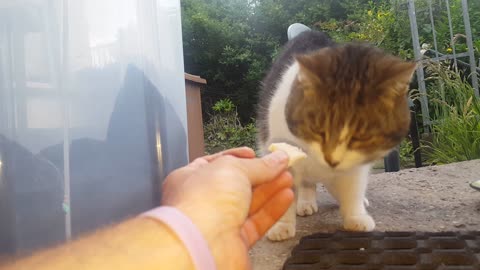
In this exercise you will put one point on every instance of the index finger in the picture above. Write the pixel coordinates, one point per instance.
(261, 170)
(240, 152)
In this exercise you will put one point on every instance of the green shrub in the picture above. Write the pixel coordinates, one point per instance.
(224, 129)
(380, 23)
(225, 106)
(406, 154)
(456, 127)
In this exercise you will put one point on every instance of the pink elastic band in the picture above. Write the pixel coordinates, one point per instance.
(187, 232)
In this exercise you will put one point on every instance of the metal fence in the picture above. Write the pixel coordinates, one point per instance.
(456, 57)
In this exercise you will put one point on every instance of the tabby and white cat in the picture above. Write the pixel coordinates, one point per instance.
(345, 106)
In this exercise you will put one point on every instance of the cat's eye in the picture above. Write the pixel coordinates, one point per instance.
(360, 139)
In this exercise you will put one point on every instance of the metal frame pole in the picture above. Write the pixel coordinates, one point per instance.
(452, 42)
(432, 22)
(420, 73)
(471, 52)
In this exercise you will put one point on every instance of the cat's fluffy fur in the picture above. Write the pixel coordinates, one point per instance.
(346, 106)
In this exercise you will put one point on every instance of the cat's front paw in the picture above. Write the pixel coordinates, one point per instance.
(360, 223)
(281, 231)
(307, 207)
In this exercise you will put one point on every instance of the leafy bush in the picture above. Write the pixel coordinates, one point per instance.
(374, 24)
(456, 129)
(224, 106)
(406, 154)
(380, 23)
(224, 129)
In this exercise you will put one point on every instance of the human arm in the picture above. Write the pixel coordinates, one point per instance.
(211, 191)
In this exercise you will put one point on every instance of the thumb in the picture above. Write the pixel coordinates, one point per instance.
(265, 169)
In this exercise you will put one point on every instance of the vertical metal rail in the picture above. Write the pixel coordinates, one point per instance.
(434, 32)
(415, 139)
(452, 42)
(471, 52)
(420, 73)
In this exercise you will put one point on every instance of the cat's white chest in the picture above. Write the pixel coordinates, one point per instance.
(313, 171)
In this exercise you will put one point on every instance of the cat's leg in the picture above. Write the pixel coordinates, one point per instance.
(307, 199)
(331, 189)
(285, 228)
(349, 190)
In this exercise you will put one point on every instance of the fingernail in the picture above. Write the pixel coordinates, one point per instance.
(276, 158)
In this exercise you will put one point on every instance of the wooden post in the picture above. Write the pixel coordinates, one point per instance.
(196, 144)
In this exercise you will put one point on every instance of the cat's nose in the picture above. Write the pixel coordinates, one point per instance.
(332, 163)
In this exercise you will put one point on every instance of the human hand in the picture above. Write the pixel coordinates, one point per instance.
(233, 198)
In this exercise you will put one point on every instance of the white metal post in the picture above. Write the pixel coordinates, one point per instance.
(418, 57)
(471, 52)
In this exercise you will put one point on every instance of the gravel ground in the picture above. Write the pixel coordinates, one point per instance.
(435, 198)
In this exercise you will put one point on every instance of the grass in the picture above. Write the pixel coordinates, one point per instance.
(456, 117)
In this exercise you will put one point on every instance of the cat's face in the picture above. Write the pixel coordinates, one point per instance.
(350, 104)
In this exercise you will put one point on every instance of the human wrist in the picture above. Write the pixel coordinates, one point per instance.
(207, 226)
(188, 233)
(164, 245)
(219, 236)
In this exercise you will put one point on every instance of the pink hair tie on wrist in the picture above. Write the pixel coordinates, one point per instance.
(188, 233)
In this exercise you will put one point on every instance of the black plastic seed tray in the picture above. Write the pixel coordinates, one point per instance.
(387, 251)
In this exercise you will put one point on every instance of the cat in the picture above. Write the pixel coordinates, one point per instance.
(346, 106)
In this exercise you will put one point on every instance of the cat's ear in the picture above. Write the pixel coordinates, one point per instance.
(306, 62)
(403, 71)
(307, 75)
(309, 68)
(398, 76)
